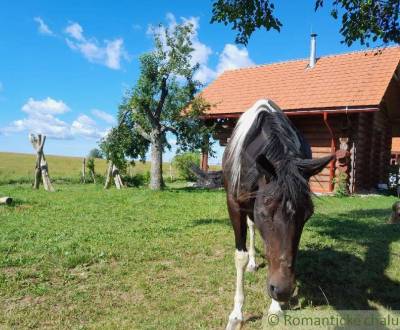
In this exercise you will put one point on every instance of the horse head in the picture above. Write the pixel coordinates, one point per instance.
(282, 206)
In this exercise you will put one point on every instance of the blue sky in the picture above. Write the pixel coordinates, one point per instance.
(66, 64)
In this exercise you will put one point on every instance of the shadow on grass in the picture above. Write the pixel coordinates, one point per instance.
(347, 281)
(208, 222)
(192, 189)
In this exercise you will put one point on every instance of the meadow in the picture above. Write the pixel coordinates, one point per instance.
(88, 258)
(19, 168)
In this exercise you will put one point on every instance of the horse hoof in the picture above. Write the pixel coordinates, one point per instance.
(251, 267)
(234, 324)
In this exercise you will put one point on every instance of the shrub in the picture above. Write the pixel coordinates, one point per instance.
(183, 162)
(95, 153)
(136, 180)
(341, 189)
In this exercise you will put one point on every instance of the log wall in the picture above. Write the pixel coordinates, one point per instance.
(372, 137)
(365, 136)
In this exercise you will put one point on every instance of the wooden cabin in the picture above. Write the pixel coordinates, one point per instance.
(348, 102)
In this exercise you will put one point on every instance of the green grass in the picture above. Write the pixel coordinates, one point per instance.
(19, 168)
(83, 257)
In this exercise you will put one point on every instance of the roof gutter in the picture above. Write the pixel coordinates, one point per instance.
(306, 112)
(333, 150)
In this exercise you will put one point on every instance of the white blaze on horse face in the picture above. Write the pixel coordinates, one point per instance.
(236, 316)
(275, 307)
(251, 266)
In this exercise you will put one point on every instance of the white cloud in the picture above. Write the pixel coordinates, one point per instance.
(232, 57)
(42, 119)
(40, 124)
(110, 53)
(86, 126)
(43, 28)
(109, 119)
(47, 106)
(75, 31)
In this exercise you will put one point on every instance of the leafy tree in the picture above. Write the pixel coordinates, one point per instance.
(95, 153)
(183, 162)
(362, 20)
(165, 87)
(123, 141)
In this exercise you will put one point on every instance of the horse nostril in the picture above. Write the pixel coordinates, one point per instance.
(272, 288)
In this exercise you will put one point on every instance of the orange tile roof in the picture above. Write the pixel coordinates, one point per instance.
(396, 144)
(352, 79)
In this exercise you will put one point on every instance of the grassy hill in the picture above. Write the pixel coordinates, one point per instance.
(19, 168)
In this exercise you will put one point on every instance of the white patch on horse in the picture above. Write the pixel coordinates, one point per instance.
(239, 134)
(236, 316)
(251, 266)
(275, 307)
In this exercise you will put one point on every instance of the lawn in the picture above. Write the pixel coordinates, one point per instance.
(83, 257)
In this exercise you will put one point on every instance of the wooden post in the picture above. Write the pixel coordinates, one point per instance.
(5, 200)
(108, 175)
(84, 170)
(117, 177)
(204, 161)
(41, 169)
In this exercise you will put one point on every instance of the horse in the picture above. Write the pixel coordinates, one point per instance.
(266, 168)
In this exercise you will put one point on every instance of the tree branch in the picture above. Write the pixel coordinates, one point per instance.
(168, 129)
(164, 93)
(142, 132)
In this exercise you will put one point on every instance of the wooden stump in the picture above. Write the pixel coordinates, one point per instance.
(6, 200)
(113, 172)
(395, 216)
(41, 168)
(84, 170)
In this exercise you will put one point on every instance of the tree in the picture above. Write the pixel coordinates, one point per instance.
(121, 142)
(95, 153)
(362, 20)
(165, 87)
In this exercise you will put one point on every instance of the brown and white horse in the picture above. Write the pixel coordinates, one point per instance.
(266, 166)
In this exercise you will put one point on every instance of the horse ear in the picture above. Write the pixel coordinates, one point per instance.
(265, 167)
(310, 167)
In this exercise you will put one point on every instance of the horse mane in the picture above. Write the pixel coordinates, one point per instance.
(282, 144)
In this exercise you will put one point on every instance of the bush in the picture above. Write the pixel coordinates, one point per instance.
(183, 162)
(136, 180)
(95, 153)
(341, 189)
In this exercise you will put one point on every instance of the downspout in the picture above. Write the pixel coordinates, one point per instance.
(333, 150)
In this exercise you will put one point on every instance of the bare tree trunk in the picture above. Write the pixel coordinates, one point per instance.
(45, 175)
(108, 175)
(41, 168)
(113, 172)
(5, 200)
(117, 177)
(93, 176)
(38, 173)
(156, 179)
(84, 170)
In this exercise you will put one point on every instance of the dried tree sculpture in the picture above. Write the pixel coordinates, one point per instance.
(41, 169)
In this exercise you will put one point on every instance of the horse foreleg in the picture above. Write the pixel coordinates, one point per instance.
(251, 266)
(236, 316)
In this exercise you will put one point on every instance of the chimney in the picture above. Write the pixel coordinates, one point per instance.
(313, 50)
